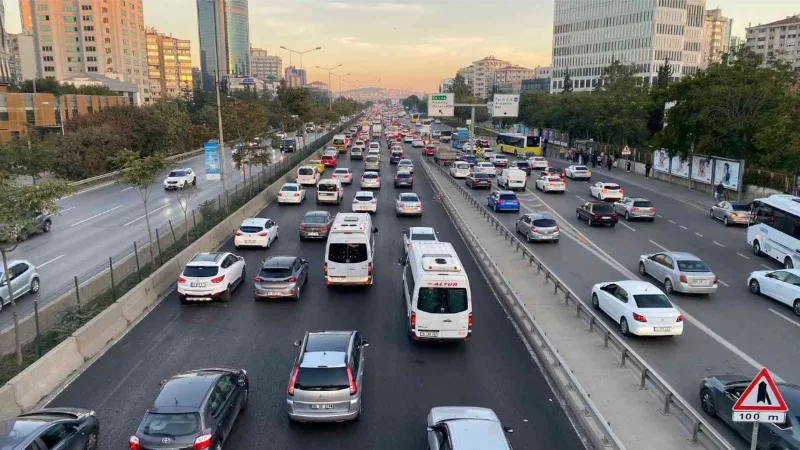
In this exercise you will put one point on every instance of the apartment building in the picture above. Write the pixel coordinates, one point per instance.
(484, 75)
(169, 65)
(295, 77)
(92, 36)
(716, 37)
(468, 74)
(22, 64)
(264, 66)
(512, 76)
(446, 85)
(5, 51)
(540, 72)
(588, 35)
(780, 39)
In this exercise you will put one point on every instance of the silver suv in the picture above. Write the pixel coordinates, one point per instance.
(24, 278)
(325, 384)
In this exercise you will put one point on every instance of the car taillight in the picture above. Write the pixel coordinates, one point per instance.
(353, 387)
(297, 194)
(280, 195)
(202, 442)
(620, 191)
(133, 443)
(683, 278)
(323, 229)
(292, 279)
(716, 280)
(652, 209)
(290, 390)
(556, 230)
(355, 201)
(258, 280)
(400, 205)
(410, 178)
(469, 323)
(302, 228)
(325, 268)
(362, 178)
(218, 279)
(413, 322)
(679, 319)
(500, 202)
(238, 233)
(634, 209)
(639, 318)
(373, 202)
(181, 280)
(534, 229)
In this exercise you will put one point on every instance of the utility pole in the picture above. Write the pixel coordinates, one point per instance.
(223, 169)
(330, 97)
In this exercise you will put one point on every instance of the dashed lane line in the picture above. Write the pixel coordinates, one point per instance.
(96, 215)
(792, 321)
(743, 256)
(717, 243)
(626, 226)
(658, 245)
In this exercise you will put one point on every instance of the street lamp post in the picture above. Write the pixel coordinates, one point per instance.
(301, 53)
(340, 81)
(330, 98)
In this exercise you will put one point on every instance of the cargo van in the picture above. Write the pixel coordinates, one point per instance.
(437, 294)
(512, 179)
(329, 191)
(349, 250)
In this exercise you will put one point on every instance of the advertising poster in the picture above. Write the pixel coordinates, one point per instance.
(701, 169)
(660, 161)
(211, 152)
(728, 173)
(680, 167)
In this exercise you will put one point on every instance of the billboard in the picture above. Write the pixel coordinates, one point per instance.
(211, 152)
(660, 161)
(680, 167)
(727, 172)
(441, 105)
(701, 168)
(505, 105)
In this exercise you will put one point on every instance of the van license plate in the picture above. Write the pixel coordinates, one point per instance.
(319, 407)
(428, 333)
(249, 242)
(662, 329)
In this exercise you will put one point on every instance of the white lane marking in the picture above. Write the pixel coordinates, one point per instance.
(48, 262)
(683, 227)
(126, 189)
(766, 267)
(580, 198)
(626, 226)
(660, 216)
(97, 215)
(792, 321)
(142, 216)
(671, 221)
(723, 283)
(67, 209)
(719, 244)
(698, 234)
(658, 245)
(743, 256)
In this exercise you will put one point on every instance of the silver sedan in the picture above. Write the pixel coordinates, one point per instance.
(408, 203)
(731, 213)
(680, 272)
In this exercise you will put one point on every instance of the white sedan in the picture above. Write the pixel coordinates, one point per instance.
(291, 193)
(604, 191)
(538, 162)
(365, 201)
(499, 160)
(638, 307)
(417, 143)
(782, 285)
(486, 167)
(550, 183)
(578, 172)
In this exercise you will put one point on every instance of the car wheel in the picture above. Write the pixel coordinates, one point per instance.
(642, 268)
(623, 327)
(755, 288)
(756, 248)
(246, 398)
(297, 295)
(595, 302)
(91, 441)
(578, 215)
(627, 216)
(707, 402)
(787, 263)
(226, 296)
(34, 286)
(194, 182)
(528, 237)
(725, 221)
(796, 307)
(589, 222)
(47, 226)
(668, 286)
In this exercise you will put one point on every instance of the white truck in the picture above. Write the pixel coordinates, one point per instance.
(377, 131)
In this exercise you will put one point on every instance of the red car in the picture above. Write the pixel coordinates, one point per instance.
(328, 161)
(429, 151)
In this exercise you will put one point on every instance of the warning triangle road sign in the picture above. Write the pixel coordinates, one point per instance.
(761, 395)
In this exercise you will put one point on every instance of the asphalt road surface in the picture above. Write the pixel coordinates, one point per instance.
(403, 380)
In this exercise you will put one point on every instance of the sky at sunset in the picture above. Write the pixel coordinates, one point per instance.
(407, 45)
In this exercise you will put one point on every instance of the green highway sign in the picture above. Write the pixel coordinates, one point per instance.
(439, 97)
(441, 105)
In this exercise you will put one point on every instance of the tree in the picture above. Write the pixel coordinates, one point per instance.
(567, 82)
(460, 88)
(778, 137)
(184, 196)
(18, 207)
(242, 121)
(85, 152)
(658, 94)
(141, 172)
(30, 156)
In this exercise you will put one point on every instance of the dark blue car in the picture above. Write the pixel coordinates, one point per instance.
(503, 201)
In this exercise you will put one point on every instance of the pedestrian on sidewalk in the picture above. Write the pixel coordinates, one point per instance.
(610, 162)
(647, 167)
(719, 191)
(629, 164)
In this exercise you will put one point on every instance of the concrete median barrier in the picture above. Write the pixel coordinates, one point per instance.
(165, 276)
(105, 327)
(137, 300)
(45, 375)
(8, 403)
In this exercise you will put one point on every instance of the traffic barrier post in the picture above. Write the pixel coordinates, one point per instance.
(111, 271)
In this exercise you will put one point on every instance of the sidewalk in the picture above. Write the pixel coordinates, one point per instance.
(633, 413)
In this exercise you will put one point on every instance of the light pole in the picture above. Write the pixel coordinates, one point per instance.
(223, 170)
(340, 81)
(330, 99)
(349, 86)
(299, 53)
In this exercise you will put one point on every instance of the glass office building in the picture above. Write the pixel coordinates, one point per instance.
(224, 30)
(237, 29)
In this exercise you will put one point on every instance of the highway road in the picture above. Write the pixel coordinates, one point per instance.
(102, 222)
(403, 380)
(732, 331)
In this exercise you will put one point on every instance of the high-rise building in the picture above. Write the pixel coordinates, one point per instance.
(512, 77)
(264, 66)
(22, 64)
(483, 75)
(780, 39)
(169, 65)
(295, 77)
(446, 85)
(224, 31)
(26, 19)
(5, 52)
(588, 35)
(95, 36)
(468, 74)
(716, 36)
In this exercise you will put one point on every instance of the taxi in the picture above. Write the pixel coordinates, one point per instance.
(317, 164)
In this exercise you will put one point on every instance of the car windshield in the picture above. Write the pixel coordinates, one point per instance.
(582, 168)
(341, 172)
(508, 197)
(275, 272)
(500, 157)
(544, 223)
(363, 197)
(326, 187)
(692, 266)
(652, 301)
(171, 424)
(305, 171)
(314, 219)
(480, 175)
(327, 158)
(442, 300)
(409, 198)
(370, 175)
(251, 229)
(403, 175)
(602, 209)
(177, 173)
(347, 253)
(462, 166)
(612, 187)
(289, 187)
(321, 379)
(200, 271)
(642, 204)
(423, 237)
(740, 207)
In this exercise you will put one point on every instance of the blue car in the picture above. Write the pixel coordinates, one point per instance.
(503, 201)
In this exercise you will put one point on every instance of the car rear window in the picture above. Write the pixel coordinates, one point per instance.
(363, 197)
(652, 301)
(508, 197)
(305, 171)
(177, 173)
(740, 207)
(314, 219)
(200, 271)
(327, 157)
(372, 159)
(289, 187)
(642, 204)
(370, 175)
(544, 223)
(341, 171)
(462, 165)
(250, 229)
(403, 175)
(423, 237)
(327, 187)
(347, 253)
(581, 168)
(603, 209)
(693, 266)
(442, 300)
(167, 425)
(612, 187)
(480, 175)
(409, 198)
(321, 379)
(275, 272)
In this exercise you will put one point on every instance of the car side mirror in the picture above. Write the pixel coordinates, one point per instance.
(303, 261)
(375, 230)
(240, 258)
(364, 343)
(429, 428)
(298, 343)
(402, 261)
(162, 382)
(241, 381)
(508, 429)
(769, 275)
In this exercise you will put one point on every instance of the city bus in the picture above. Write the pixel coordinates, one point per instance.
(774, 228)
(414, 117)
(518, 144)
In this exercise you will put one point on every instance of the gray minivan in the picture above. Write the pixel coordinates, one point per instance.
(466, 427)
(373, 163)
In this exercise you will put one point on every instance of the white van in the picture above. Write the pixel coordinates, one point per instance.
(437, 294)
(349, 251)
(512, 179)
(329, 191)
(307, 176)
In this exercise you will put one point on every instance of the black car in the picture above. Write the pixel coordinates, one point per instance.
(51, 428)
(195, 409)
(395, 157)
(403, 179)
(316, 225)
(479, 180)
(597, 213)
(718, 394)
(524, 166)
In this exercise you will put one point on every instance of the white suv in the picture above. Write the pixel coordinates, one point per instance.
(180, 178)
(257, 232)
(211, 276)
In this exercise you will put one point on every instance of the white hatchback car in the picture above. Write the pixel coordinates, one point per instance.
(638, 307)
(549, 183)
(486, 167)
(605, 191)
(460, 169)
(343, 174)
(782, 285)
(370, 180)
(538, 162)
(307, 176)
(256, 232)
(499, 160)
(365, 201)
(211, 276)
(291, 193)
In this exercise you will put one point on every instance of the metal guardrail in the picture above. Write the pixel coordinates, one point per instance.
(111, 175)
(701, 432)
